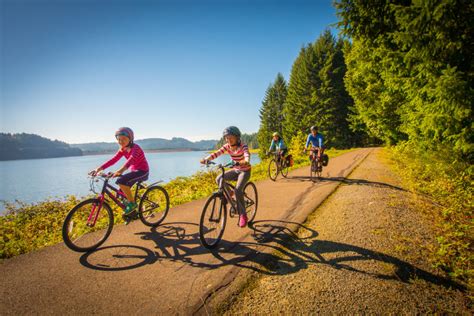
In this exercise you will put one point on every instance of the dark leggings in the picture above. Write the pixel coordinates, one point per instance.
(242, 177)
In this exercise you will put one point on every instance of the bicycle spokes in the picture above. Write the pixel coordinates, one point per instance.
(154, 206)
(87, 225)
(213, 220)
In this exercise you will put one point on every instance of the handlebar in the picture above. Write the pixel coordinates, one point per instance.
(229, 164)
(107, 175)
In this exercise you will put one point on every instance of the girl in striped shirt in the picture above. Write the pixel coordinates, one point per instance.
(239, 152)
(136, 162)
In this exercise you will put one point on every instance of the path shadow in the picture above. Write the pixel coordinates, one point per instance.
(351, 182)
(273, 249)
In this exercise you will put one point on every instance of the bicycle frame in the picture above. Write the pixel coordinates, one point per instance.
(224, 189)
(278, 156)
(109, 190)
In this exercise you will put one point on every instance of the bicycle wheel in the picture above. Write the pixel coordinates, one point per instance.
(273, 169)
(154, 206)
(285, 168)
(250, 200)
(319, 169)
(313, 169)
(88, 225)
(213, 220)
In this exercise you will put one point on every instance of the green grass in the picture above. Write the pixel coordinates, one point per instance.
(447, 190)
(27, 227)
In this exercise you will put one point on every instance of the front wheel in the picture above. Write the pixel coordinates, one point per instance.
(313, 170)
(213, 221)
(88, 225)
(251, 201)
(154, 206)
(273, 169)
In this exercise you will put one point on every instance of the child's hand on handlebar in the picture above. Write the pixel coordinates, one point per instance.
(204, 161)
(95, 172)
(116, 174)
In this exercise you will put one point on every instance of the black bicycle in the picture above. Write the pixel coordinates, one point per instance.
(278, 164)
(316, 164)
(214, 213)
(89, 223)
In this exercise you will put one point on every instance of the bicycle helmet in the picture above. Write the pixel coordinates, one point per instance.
(314, 128)
(276, 134)
(125, 131)
(231, 130)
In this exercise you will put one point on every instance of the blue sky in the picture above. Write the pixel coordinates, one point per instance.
(77, 70)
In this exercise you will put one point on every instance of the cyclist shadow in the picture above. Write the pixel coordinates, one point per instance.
(118, 258)
(274, 249)
(297, 253)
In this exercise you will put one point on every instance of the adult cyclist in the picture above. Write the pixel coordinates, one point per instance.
(317, 142)
(278, 145)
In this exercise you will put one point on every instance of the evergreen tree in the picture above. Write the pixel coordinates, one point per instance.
(271, 113)
(297, 106)
(410, 70)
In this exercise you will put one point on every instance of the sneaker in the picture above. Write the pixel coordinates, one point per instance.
(243, 220)
(131, 206)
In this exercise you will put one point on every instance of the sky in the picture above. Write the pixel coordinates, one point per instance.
(76, 70)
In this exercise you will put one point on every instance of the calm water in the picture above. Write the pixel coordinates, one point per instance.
(38, 179)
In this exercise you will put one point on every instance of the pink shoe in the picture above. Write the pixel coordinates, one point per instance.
(243, 221)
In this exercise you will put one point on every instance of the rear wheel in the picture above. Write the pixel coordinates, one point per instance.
(250, 200)
(213, 221)
(154, 206)
(88, 225)
(273, 169)
(285, 167)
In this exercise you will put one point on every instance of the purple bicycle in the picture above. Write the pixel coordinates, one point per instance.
(89, 223)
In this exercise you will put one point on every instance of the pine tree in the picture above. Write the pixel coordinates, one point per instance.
(271, 113)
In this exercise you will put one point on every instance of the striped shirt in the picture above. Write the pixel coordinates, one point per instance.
(135, 159)
(241, 153)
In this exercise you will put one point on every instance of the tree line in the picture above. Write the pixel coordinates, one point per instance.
(30, 146)
(400, 72)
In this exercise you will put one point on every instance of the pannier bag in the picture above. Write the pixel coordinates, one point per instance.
(289, 160)
(325, 160)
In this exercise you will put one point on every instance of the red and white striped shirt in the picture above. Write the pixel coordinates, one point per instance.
(240, 153)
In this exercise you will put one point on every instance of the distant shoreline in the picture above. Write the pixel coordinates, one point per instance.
(98, 153)
(95, 153)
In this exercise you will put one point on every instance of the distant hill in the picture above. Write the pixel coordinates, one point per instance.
(249, 139)
(175, 143)
(31, 146)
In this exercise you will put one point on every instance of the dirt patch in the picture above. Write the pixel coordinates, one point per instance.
(362, 251)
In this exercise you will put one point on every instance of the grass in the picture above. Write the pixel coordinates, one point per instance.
(446, 192)
(27, 227)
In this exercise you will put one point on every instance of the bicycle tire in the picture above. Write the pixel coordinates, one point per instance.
(211, 202)
(285, 168)
(272, 166)
(146, 218)
(69, 223)
(251, 214)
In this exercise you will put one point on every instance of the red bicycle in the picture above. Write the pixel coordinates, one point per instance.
(89, 223)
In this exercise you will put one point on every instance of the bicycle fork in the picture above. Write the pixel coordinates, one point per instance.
(94, 214)
(216, 218)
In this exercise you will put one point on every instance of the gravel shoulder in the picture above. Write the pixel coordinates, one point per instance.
(363, 251)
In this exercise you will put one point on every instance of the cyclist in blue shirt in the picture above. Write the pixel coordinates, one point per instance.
(316, 140)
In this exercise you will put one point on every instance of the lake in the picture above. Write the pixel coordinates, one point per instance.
(35, 180)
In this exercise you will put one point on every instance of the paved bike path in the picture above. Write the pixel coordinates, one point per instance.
(165, 269)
